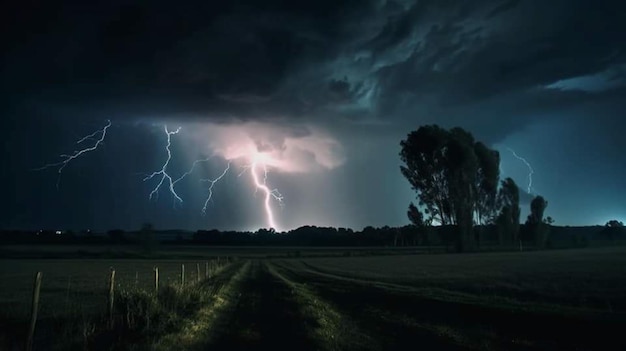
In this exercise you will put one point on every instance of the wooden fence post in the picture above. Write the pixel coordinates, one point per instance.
(136, 279)
(156, 279)
(198, 272)
(206, 269)
(182, 274)
(35, 310)
(111, 295)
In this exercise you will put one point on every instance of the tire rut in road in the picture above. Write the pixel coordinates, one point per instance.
(265, 317)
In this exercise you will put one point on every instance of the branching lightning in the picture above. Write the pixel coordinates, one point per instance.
(259, 183)
(193, 166)
(255, 147)
(211, 184)
(77, 153)
(254, 167)
(163, 172)
(531, 171)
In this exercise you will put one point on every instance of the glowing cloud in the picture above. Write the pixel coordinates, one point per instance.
(259, 149)
(282, 149)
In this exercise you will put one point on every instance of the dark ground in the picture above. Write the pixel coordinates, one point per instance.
(265, 317)
(294, 304)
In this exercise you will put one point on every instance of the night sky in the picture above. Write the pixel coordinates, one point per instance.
(327, 88)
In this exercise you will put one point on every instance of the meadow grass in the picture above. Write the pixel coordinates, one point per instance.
(587, 279)
(484, 301)
(75, 316)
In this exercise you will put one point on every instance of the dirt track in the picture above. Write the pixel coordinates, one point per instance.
(265, 316)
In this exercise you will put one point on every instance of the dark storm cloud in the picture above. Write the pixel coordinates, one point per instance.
(356, 60)
(466, 60)
(502, 7)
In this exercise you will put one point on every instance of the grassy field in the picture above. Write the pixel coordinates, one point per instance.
(83, 284)
(593, 279)
(564, 299)
(191, 252)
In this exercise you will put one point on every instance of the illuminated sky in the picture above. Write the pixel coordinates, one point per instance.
(321, 91)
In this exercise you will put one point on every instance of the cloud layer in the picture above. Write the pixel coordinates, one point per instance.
(283, 149)
(357, 61)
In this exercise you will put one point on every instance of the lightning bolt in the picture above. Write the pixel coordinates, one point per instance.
(531, 171)
(69, 158)
(259, 183)
(212, 183)
(193, 166)
(269, 193)
(163, 172)
(255, 167)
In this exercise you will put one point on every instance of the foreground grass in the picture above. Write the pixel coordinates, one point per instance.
(196, 332)
(492, 301)
(141, 318)
(76, 287)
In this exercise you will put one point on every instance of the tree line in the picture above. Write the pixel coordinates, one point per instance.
(457, 182)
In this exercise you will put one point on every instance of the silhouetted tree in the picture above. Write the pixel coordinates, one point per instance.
(487, 183)
(487, 179)
(509, 217)
(613, 229)
(614, 224)
(419, 228)
(415, 215)
(537, 227)
(444, 169)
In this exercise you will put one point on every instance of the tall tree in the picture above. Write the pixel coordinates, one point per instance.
(509, 217)
(487, 183)
(444, 169)
(537, 227)
(462, 173)
(423, 154)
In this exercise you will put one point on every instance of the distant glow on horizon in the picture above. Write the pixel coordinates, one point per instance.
(606, 219)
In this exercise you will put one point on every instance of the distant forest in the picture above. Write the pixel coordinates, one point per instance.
(409, 235)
